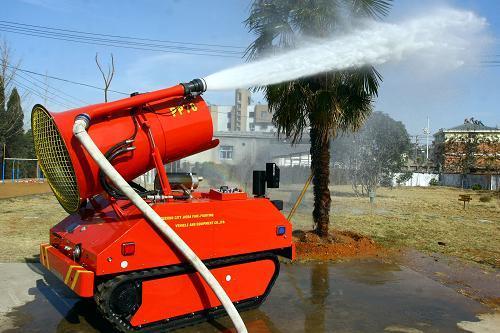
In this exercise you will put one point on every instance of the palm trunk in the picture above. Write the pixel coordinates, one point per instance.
(320, 168)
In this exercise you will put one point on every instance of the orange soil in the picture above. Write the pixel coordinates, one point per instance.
(341, 244)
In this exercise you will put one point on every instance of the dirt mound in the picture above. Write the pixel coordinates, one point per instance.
(340, 244)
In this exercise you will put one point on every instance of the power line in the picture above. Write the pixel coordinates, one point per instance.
(56, 89)
(111, 42)
(119, 43)
(64, 99)
(124, 37)
(38, 93)
(66, 80)
(118, 46)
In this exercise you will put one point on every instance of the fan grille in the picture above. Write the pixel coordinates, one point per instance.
(54, 159)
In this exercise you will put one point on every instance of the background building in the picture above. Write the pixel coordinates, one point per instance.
(242, 116)
(246, 134)
(253, 148)
(239, 114)
(221, 117)
(468, 154)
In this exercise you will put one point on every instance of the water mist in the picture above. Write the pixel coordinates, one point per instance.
(447, 37)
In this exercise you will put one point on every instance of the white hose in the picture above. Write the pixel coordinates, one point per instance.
(79, 130)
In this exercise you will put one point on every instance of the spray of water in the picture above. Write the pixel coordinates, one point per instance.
(447, 36)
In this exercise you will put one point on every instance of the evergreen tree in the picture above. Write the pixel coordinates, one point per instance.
(14, 117)
(2, 96)
(2, 114)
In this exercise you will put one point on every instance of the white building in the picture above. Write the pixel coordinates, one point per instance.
(251, 147)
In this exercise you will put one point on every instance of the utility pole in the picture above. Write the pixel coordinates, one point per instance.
(427, 131)
(416, 153)
(3, 165)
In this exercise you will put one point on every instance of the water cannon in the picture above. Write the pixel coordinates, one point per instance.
(175, 122)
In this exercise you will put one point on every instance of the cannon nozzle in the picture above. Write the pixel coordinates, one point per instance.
(194, 87)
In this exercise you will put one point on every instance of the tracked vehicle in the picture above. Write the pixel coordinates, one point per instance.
(155, 259)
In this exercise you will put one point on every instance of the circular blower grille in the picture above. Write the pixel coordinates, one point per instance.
(54, 159)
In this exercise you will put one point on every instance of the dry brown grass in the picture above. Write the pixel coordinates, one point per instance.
(24, 224)
(429, 219)
(403, 217)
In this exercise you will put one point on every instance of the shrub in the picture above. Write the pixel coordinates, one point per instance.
(485, 198)
(434, 182)
(476, 187)
(386, 180)
(404, 177)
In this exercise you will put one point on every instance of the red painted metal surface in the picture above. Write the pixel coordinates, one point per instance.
(215, 224)
(180, 126)
(77, 278)
(212, 228)
(178, 295)
(219, 195)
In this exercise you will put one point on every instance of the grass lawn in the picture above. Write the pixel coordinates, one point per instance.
(403, 217)
(430, 219)
(24, 224)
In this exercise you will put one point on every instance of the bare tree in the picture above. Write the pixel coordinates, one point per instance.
(376, 153)
(11, 115)
(7, 69)
(107, 77)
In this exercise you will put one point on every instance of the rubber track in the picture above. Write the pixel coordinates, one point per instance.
(105, 289)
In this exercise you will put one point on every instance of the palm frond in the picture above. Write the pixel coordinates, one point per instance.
(371, 8)
(269, 21)
(333, 102)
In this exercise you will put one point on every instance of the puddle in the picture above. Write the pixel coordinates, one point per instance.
(473, 280)
(354, 296)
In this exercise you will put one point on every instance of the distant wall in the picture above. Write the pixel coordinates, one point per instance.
(417, 179)
(487, 182)
(495, 183)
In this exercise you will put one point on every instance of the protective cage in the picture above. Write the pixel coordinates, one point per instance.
(54, 159)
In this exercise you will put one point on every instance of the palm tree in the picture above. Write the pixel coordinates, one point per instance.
(326, 104)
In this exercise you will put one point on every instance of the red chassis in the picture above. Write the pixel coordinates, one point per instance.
(107, 250)
(238, 237)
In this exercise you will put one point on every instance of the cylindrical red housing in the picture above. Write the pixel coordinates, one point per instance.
(180, 126)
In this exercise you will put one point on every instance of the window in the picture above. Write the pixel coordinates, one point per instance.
(263, 114)
(226, 152)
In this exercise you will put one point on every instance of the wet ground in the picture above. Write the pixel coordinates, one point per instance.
(356, 296)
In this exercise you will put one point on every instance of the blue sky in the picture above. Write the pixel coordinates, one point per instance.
(407, 93)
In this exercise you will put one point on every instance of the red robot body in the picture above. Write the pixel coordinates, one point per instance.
(107, 249)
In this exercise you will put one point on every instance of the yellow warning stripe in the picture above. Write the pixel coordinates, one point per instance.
(75, 279)
(42, 259)
(45, 255)
(77, 269)
(68, 274)
(77, 275)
